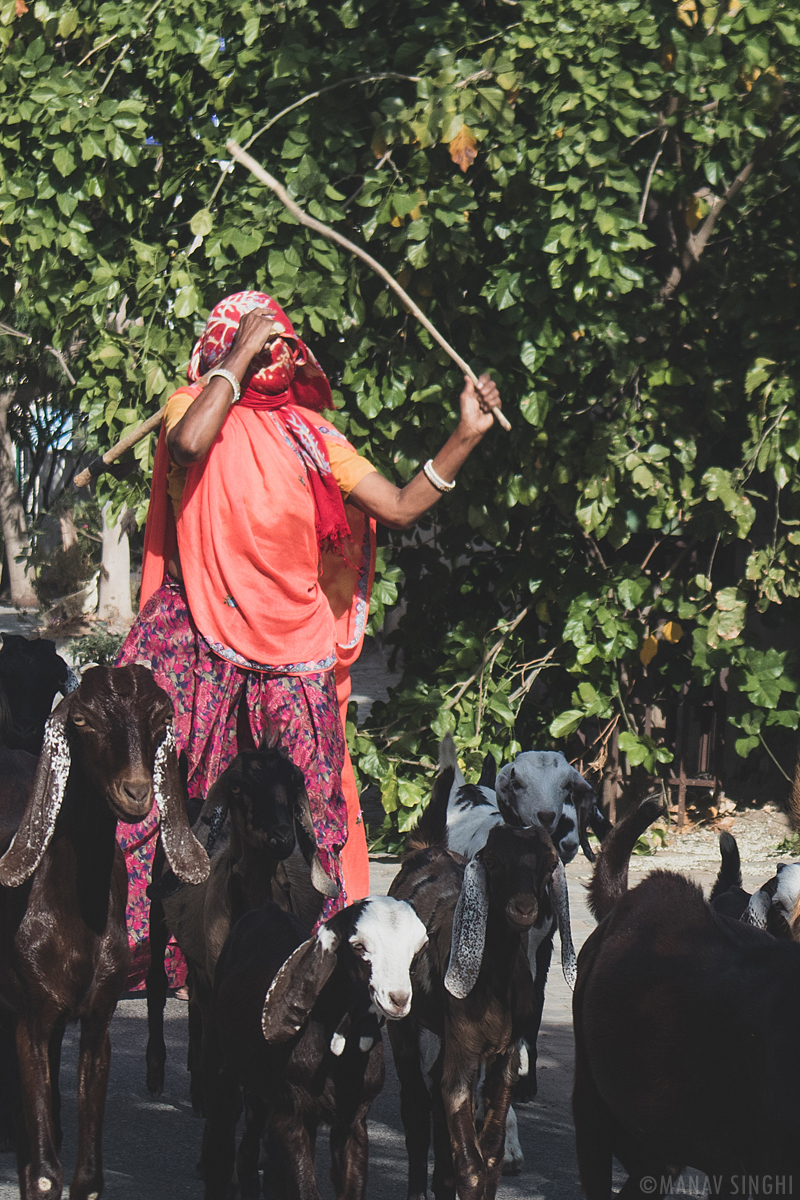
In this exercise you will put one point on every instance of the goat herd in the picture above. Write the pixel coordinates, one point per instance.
(686, 1011)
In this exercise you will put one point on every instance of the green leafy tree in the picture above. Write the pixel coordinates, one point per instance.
(597, 200)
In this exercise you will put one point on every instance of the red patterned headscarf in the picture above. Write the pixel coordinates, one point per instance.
(286, 378)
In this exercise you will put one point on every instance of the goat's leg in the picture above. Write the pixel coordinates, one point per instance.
(444, 1179)
(54, 1056)
(458, 1093)
(496, 1099)
(292, 1139)
(415, 1105)
(349, 1157)
(222, 1107)
(10, 1098)
(592, 1130)
(94, 1061)
(38, 1165)
(194, 1057)
(247, 1156)
(526, 1086)
(157, 987)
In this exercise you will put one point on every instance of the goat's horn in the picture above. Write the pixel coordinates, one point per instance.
(560, 897)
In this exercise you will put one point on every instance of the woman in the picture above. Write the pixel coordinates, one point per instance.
(259, 551)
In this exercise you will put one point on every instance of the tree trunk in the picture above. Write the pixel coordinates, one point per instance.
(69, 534)
(114, 589)
(12, 511)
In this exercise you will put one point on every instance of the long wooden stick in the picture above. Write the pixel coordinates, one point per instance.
(99, 465)
(300, 215)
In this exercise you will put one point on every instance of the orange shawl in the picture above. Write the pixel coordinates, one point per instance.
(249, 554)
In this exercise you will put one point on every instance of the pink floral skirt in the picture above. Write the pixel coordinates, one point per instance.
(220, 709)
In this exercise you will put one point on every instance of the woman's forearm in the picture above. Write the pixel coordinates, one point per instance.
(400, 507)
(194, 435)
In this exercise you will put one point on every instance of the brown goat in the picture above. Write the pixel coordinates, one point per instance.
(109, 752)
(473, 994)
(687, 1049)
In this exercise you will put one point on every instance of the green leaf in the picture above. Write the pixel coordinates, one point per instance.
(63, 161)
(201, 223)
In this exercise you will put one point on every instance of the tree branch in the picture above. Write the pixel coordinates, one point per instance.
(650, 174)
(312, 223)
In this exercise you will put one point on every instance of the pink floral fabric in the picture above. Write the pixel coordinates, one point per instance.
(220, 709)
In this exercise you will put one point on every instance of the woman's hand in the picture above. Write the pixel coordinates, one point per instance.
(256, 329)
(477, 404)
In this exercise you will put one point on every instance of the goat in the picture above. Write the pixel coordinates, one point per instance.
(459, 817)
(108, 754)
(541, 788)
(473, 994)
(254, 817)
(294, 1028)
(31, 672)
(687, 1048)
(537, 789)
(770, 908)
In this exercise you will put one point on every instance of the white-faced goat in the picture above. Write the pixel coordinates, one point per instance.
(460, 816)
(297, 1022)
(108, 754)
(473, 994)
(257, 827)
(687, 1049)
(771, 907)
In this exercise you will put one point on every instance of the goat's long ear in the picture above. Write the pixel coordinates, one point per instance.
(757, 909)
(585, 802)
(71, 682)
(307, 841)
(560, 898)
(469, 932)
(184, 853)
(39, 819)
(294, 990)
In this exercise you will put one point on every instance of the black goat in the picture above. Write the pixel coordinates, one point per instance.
(472, 997)
(295, 1030)
(771, 907)
(687, 1046)
(254, 819)
(108, 753)
(31, 673)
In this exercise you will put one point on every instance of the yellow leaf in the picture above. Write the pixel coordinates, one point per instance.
(672, 632)
(750, 78)
(687, 12)
(20, 7)
(734, 7)
(415, 213)
(397, 222)
(649, 650)
(667, 56)
(559, 133)
(695, 210)
(464, 148)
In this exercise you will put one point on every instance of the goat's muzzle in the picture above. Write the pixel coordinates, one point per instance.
(394, 1005)
(131, 799)
(521, 912)
(281, 841)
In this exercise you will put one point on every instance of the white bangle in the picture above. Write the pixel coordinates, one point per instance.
(230, 377)
(435, 480)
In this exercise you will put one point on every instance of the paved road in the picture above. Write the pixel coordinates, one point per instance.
(151, 1147)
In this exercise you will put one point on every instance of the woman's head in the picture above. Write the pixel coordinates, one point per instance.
(286, 363)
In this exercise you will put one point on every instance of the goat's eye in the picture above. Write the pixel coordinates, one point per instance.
(490, 861)
(80, 722)
(358, 947)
